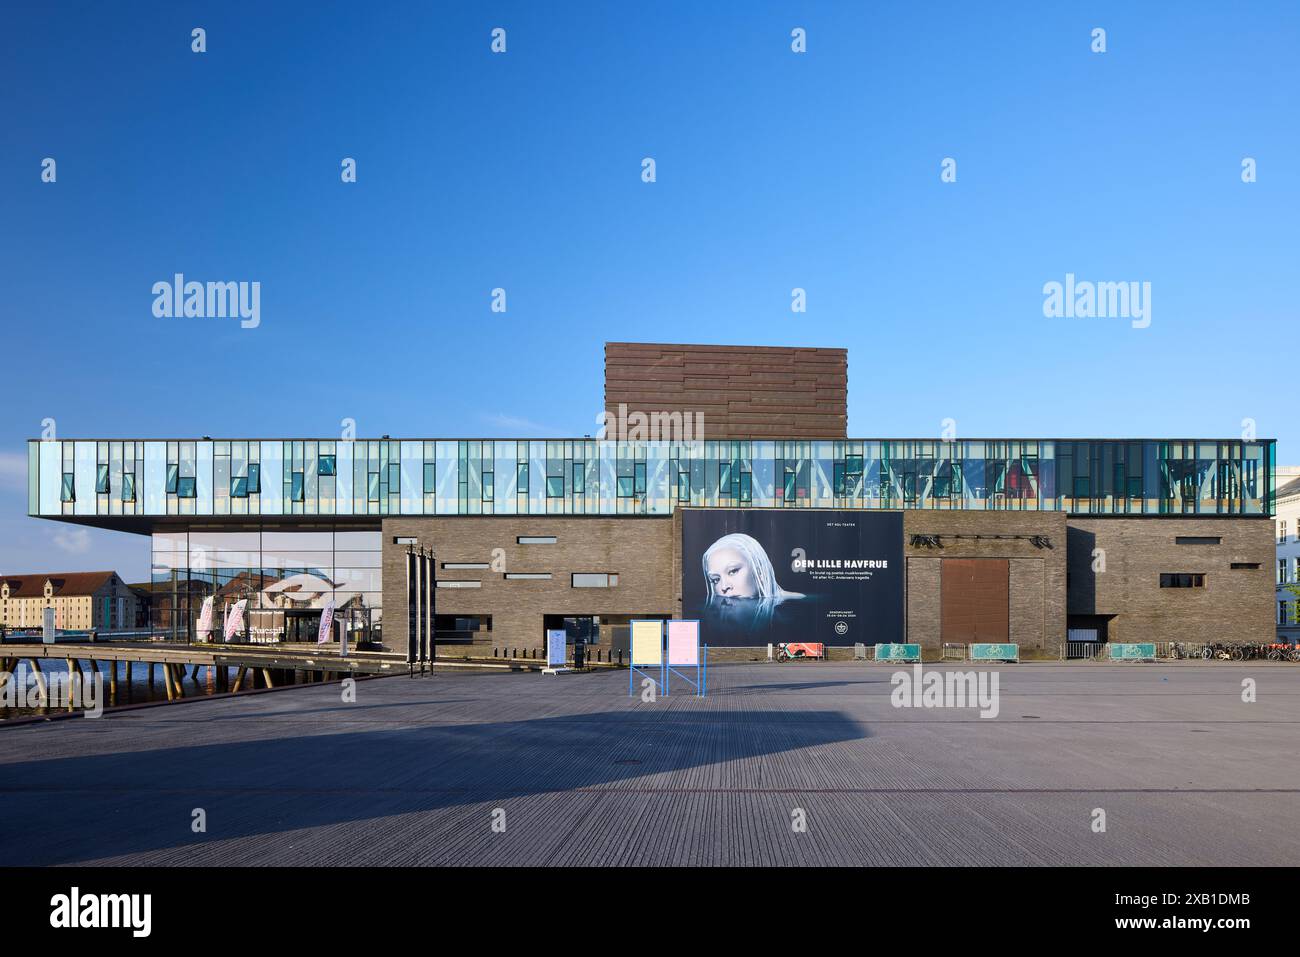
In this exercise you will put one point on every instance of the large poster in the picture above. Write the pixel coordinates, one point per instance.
(754, 576)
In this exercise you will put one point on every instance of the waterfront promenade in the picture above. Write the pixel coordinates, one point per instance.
(572, 771)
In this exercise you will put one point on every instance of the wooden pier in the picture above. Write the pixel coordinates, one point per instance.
(251, 665)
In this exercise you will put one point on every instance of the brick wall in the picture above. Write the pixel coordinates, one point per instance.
(646, 554)
(1235, 604)
(741, 391)
(638, 550)
(1037, 576)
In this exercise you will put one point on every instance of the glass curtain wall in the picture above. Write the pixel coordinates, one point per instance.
(285, 576)
(584, 476)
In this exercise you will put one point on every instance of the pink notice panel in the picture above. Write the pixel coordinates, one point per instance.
(684, 643)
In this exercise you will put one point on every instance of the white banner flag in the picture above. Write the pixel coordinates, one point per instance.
(326, 623)
(205, 620)
(235, 618)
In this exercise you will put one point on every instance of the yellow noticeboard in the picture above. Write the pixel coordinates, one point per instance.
(647, 642)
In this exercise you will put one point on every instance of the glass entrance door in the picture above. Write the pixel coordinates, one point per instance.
(301, 626)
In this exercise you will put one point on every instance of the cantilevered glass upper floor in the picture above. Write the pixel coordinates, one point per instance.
(105, 479)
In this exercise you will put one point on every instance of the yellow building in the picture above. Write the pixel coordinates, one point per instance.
(81, 601)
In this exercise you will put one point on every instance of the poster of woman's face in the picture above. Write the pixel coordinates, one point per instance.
(737, 566)
(753, 577)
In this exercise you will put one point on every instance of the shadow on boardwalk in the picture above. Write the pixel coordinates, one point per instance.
(104, 805)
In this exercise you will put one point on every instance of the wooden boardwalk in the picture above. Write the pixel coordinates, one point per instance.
(413, 771)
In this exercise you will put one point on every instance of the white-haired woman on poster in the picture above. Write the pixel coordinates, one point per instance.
(736, 566)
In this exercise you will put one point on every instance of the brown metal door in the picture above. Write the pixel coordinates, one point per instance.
(975, 595)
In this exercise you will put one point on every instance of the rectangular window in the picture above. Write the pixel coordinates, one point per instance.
(489, 487)
(254, 478)
(1282, 576)
(326, 465)
(579, 481)
(464, 566)
(1182, 580)
(1081, 486)
(555, 486)
(101, 480)
(625, 486)
(529, 576)
(405, 540)
(128, 487)
(458, 584)
(430, 478)
(69, 490)
(789, 484)
(372, 486)
(296, 489)
(746, 487)
(684, 487)
(1244, 565)
(238, 487)
(594, 580)
(394, 478)
(1197, 540)
(185, 487)
(173, 477)
(1281, 533)
(535, 540)
(522, 477)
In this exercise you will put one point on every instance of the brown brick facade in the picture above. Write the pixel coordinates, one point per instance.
(740, 391)
(638, 550)
(1235, 603)
(646, 555)
(1037, 572)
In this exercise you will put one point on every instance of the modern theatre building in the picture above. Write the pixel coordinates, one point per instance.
(724, 487)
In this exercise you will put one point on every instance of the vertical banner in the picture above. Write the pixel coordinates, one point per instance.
(684, 643)
(204, 630)
(557, 647)
(429, 650)
(412, 607)
(685, 657)
(647, 643)
(235, 618)
(647, 653)
(47, 627)
(326, 624)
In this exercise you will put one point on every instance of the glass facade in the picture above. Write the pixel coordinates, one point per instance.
(377, 477)
(287, 575)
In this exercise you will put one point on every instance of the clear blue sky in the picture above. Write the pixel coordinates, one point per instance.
(522, 170)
